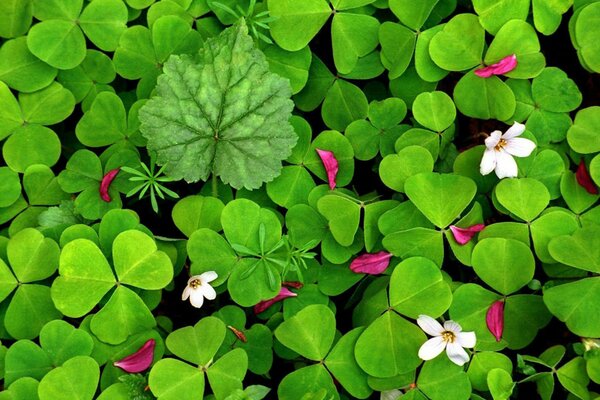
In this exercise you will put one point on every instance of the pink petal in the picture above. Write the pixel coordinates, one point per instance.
(331, 166)
(283, 294)
(464, 235)
(584, 179)
(495, 319)
(105, 184)
(138, 361)
(372, 264)
(503, 66)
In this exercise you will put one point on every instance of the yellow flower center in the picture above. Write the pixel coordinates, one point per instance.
(448, 336)
(195, 283)
(501, 144)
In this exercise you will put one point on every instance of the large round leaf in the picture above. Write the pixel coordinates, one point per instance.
(440, 197)
(440, 379)
(313, 381)
(343, 104)
(352, 36)
(194, 212)
(505, 264)
(241, 130)
(493, 14)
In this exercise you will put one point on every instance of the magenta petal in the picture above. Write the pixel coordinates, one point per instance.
(283, 294)
(105, 184)
(138, 361)
(503, 66)
(464, 235)
(495, 319)
(331, 166)
(372, 264)
(584, 179)
(293, 284)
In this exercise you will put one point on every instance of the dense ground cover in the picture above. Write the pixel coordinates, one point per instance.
(314, 199)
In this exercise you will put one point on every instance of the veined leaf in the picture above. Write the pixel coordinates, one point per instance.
(221, 112)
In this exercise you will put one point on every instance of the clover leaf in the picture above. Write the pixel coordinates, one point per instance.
(224, 140)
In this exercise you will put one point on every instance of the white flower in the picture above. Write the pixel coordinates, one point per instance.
(449, 337)
(198, 288)
(500, 151)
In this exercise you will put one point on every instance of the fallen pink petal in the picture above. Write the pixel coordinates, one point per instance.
(138, 361)
(584, 179)
(105, 184)
(331, 166)
(503, 66)
(239, 334)
(372, 264)
(495, 319)
(464, 235)
(284, 293)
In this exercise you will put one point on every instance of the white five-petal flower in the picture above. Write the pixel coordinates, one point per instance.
(500, 150)
(449, 337)
(198, 288)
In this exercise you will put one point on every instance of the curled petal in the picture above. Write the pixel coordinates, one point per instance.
(331, 166)
(283, 294)
(464, 235)
(432, 348)
(503, 66)
(584, 179)
(138, 361)
(372, 264)
(430, 325)
(239, 334)
(457, 354)
(105, 183)
(494, 318)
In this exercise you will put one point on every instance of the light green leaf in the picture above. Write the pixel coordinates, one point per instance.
(576, 304)
(308, 17)
(343, 216)
(440, 197)
(525, 197)
(75, 379)
(459, 45)
(505, 264)
(352, 36)
(310, 332)
(417, 287)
